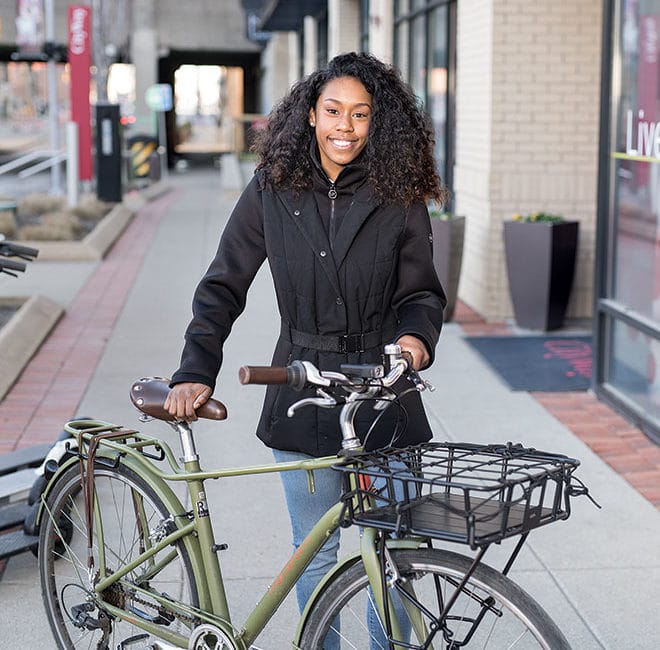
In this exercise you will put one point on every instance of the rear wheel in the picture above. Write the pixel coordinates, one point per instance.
(490, 611)
(133, 517)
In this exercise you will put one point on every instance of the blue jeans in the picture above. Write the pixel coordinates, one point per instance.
(305, 510)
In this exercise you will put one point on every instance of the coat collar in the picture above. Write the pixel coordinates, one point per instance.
(352, 179)
(302, 209)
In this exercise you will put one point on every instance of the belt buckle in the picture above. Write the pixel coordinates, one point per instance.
(351, 343)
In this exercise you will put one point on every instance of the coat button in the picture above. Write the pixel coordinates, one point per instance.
(339, 301)
(296, 212)
(323, 253)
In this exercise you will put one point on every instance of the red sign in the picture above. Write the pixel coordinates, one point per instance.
(79, 62)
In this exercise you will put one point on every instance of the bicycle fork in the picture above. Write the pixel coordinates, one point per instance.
(383, 575)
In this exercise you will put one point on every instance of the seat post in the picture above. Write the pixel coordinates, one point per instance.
(187, 441)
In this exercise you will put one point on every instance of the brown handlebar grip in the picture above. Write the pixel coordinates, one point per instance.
(263, 375)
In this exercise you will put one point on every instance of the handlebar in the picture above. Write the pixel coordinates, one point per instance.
(353, 377)
(10, 249)
(9, 266)
(355, 384)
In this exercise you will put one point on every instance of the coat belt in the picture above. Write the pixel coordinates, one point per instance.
(341, 343)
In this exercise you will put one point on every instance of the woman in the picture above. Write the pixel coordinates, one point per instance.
(338, 207)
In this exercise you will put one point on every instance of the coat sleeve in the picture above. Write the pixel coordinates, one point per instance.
(419, 299)
(221, 294)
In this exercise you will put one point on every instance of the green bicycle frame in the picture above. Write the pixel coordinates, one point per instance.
(128, 448)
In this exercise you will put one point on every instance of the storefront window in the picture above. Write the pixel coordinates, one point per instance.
(424, 32)
(634, 368)
(418, 57)
(637, 162)
(629, 304)
(437, 86)
(364, 25)
(24, 101)
(401, 37)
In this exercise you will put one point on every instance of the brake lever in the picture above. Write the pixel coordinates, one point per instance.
(324, 400)
(412, 374)
(419, 383)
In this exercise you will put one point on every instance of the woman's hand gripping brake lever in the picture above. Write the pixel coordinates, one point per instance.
(412, 374)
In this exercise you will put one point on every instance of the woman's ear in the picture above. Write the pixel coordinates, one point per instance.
(312, 117)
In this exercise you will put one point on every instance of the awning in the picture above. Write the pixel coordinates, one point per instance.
(287, 15)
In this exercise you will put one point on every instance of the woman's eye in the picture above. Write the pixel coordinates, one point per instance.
(332, 111)
(361, 115)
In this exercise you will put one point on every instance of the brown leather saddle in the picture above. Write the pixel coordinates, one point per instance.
(149, 393)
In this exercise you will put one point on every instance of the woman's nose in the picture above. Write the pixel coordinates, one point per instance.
(345, 123)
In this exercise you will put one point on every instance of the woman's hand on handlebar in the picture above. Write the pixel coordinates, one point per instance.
(185, 398)
(416, 349)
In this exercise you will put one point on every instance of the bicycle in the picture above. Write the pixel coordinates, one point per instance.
(124, 564)
(10, 249)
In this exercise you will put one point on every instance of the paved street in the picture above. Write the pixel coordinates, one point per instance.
(597, 574)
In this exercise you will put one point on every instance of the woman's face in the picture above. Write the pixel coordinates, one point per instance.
(341, 120)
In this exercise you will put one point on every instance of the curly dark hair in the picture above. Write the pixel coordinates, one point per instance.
(399, 149)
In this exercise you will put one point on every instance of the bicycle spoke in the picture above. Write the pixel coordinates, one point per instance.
(488, 610)
(126, 508)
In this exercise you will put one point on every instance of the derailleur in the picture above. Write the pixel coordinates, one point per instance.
(81, 618)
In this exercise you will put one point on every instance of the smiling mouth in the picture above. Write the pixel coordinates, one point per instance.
(343, 144)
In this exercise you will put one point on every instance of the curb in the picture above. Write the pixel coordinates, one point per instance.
(29, 327)
(23, 334)
(99, 241)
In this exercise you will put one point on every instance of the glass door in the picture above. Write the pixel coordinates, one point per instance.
(628, 286)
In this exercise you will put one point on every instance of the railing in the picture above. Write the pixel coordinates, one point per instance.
(46, 159)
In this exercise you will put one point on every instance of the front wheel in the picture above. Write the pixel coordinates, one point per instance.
(490, 611)
(129, 518)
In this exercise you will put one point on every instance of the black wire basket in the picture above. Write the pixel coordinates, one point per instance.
(466, 493)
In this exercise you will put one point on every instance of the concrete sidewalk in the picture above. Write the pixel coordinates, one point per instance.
(597, 574)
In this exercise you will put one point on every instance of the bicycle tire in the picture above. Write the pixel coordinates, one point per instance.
(130, 511)
(519, 621)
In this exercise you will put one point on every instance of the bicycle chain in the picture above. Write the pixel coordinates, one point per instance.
(184, 618)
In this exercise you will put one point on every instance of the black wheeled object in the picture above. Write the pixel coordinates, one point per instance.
(18, 475)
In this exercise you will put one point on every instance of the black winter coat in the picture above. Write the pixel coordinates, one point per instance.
(347, 266)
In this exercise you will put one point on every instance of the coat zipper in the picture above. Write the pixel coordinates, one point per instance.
(332, 195)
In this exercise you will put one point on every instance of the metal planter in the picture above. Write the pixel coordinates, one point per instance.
(540, 263)
(448, 235)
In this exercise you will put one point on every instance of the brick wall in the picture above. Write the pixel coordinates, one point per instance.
(528, 85)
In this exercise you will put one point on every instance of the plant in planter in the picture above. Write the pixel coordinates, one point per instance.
(540, 253)
(448, 234)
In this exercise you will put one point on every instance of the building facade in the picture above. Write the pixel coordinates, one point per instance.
(537, 105)
(513, 89)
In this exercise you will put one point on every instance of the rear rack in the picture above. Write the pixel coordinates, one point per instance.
(466, 493)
